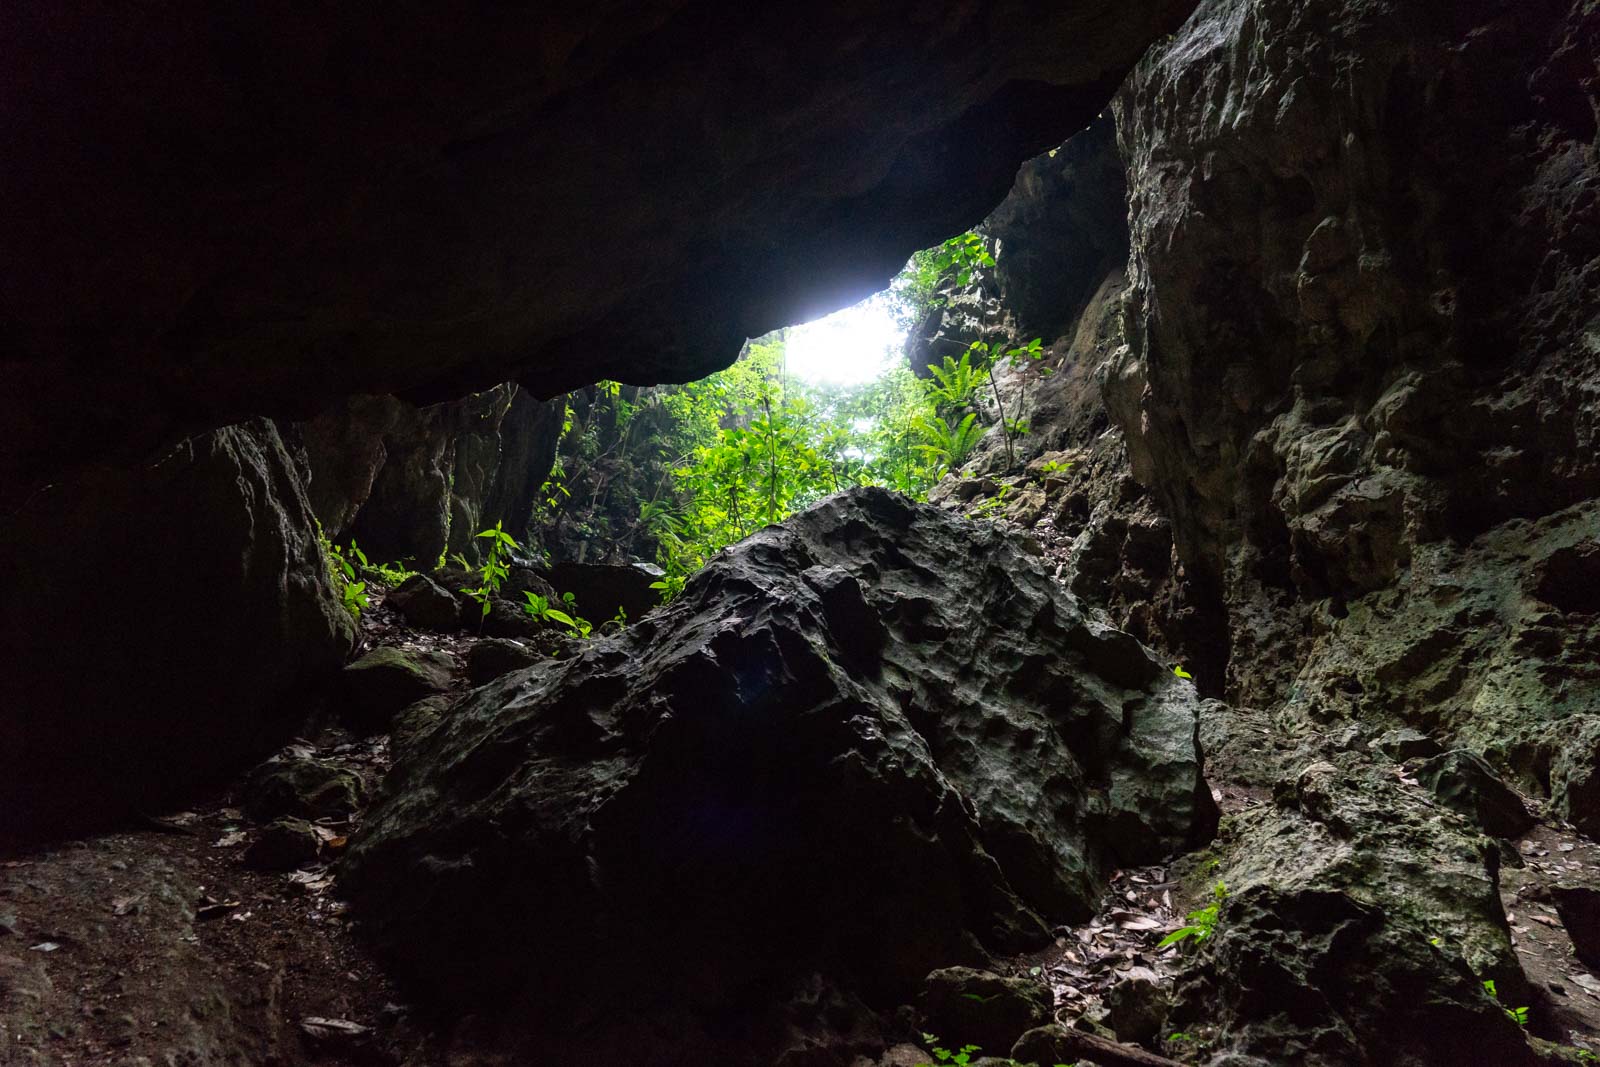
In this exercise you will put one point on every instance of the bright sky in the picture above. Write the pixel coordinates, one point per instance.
(848, 347)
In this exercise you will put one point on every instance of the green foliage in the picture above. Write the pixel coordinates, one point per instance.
(495, 568)
(540, 608)
(354, 595)
(962, 1056)
(914, 291)
(1516, 1015)
(387, 573)
(1202, 921)
(750, 446)
(342, 573)
(955, 1057)
(1181, 673)
(947, 445)
(991, 507)
(1055, 466)
(985, 356)
(955, 385)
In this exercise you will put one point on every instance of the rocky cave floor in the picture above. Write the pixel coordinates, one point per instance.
(169, 932)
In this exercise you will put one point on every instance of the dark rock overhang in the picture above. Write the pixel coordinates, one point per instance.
(242, 211)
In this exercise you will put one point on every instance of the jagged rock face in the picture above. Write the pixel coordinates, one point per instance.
(1062, 229)
(1355, 358)
(1060, 274)
(1361, 922)
(872, 741)
(411, 483)
(280, 213)
(1363, 373)
(162, 628)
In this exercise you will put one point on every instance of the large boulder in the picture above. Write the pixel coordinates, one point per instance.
(870, 742)
(424, 603)
(303, 787)
(160, 625)
(378, 685)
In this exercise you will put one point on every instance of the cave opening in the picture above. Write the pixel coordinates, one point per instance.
(445, 623)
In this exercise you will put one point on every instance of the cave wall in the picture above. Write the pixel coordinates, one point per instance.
(144, 657)
(410, 483)
(1362, 370)
(1333, 424)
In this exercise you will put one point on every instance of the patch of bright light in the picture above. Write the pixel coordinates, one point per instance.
(848, 347)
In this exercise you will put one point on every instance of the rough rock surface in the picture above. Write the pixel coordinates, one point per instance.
(492, 657)
(875, 740)
(384, 681)
(981, 1008)
(426, 604)
(281, 213)
(1360, 923)
(412, 482)
(599, 589)
(159, 626)
(1579, 908)
(1463, 781)
(304, 787)
(283, 845)
(1362, 370)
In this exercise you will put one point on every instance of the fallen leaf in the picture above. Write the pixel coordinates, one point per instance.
(123, 905)
(321, 1029)
(44, 946)
(230, 840)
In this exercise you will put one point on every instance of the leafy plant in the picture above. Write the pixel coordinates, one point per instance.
(955, 1057)
(495, 569)
(962, 255)
(992, 506)
(1202, 921)
(342, 572)
(1055, 466)
(1181, 673)
(354, 595)
(948, 445)
(962, 1056)
(540, 608)
(1516, 1015)
(956, 383)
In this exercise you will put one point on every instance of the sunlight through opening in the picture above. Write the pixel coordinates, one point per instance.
(848, 347)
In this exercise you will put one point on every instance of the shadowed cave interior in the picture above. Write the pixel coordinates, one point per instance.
(674, 535)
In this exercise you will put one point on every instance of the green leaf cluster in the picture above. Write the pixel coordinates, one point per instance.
(1202, 921)
(539, 607)
(496, 567)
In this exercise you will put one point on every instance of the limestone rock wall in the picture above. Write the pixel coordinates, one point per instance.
(164, 629)
(1362, 368)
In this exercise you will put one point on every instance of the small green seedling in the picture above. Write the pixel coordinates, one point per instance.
(1516, 1015)
(1202, 921)
(1181, 673)
(495, 568)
